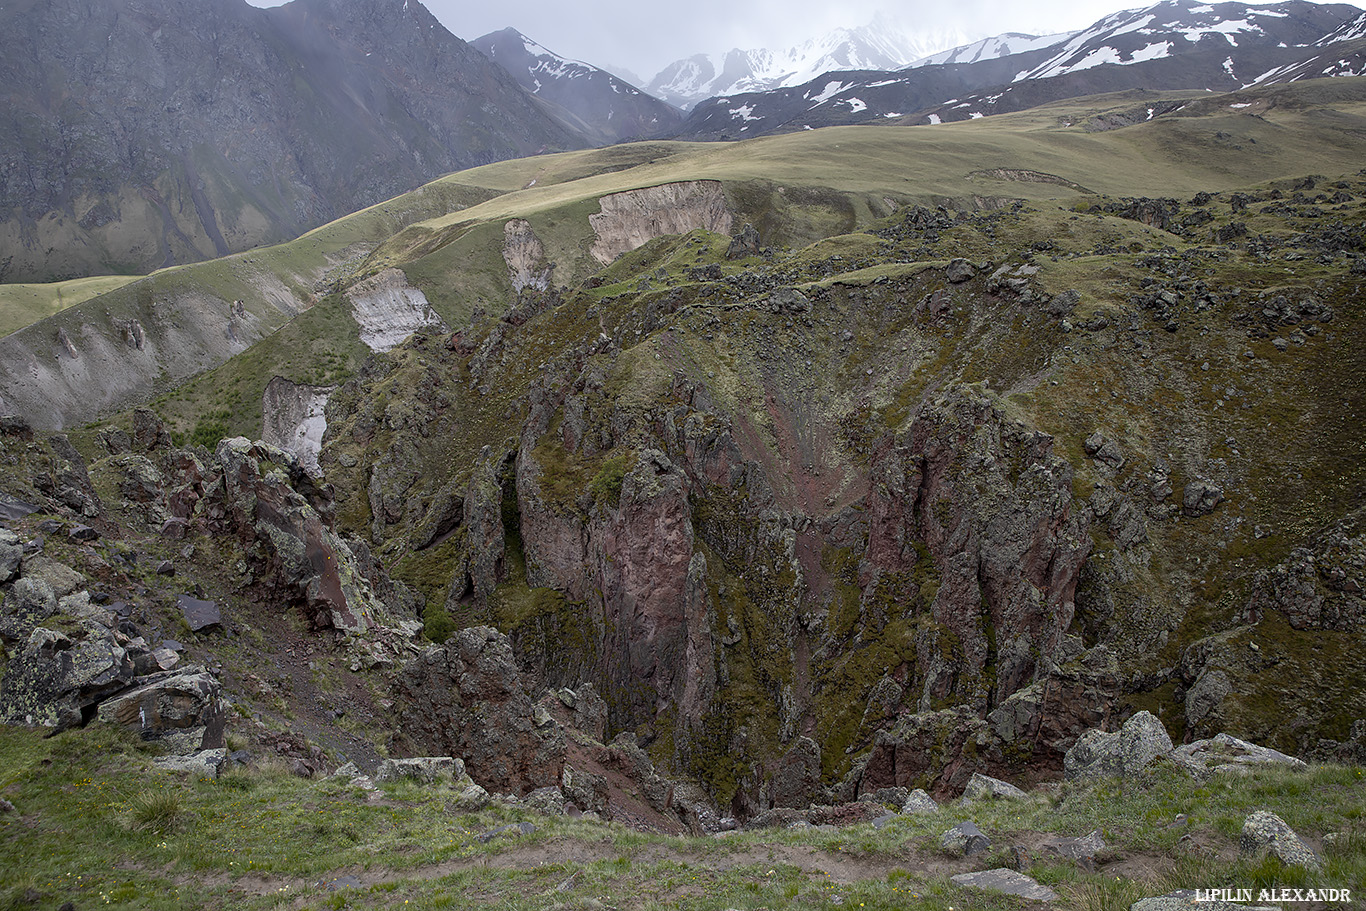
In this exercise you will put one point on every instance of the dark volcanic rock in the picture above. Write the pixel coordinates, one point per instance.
(183, 709)
(265, 496)
(746, 243)
(466, 699)
(198, 614)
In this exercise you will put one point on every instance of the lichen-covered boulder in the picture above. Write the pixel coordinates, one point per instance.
(25, 606)
(204, 764)
(548, 800)
(56, 681)
(918, 802)
(11, 553)
(985, 787)
(1226, 753)
(1094, 755)
(1266, 833)
(1097, 754)
(1141, 740)
(424, 769)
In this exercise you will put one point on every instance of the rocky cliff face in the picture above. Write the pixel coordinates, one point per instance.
(628, 220)
(819, 524)
(881, 511)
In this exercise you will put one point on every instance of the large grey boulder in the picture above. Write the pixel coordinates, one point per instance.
(1007, 881)
(26, 605)
(471, 799)
(1141, 740)
(423, 769)
(1226, 753)
(1074, 848)
(918, 802)
(54, 680)
(959, 270)
(1094, 755)
(1266, 833)
(204, 764)
(11, 555)
(984, 786)
(182, 710)
(1098, 754)
(62, 578)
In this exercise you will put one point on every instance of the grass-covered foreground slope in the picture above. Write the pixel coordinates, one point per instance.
(91, 824)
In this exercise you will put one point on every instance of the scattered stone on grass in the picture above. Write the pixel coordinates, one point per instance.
(919, 802)
(984, 786)
(1007, 881)
(1266, 833)
(965, 840)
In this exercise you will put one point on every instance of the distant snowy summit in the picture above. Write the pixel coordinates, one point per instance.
(880, 45)
(992, 48)
(584, 98)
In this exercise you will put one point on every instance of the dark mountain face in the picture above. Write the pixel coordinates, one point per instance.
(585, 99)
(1178, 44)
(142, 133)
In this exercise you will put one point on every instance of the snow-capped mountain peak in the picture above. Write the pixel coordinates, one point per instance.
(576, 93)
(880, 45)
(992, 48)
(1354, 30)
(1162, 30)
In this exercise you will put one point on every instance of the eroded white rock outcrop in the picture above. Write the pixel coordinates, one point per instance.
(634, 218)
(389, 310)
(294, 418)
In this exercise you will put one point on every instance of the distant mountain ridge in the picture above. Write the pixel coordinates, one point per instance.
(1177, 44)
(141, 133)
(588, 100)
(879, 45)
(1004, 45)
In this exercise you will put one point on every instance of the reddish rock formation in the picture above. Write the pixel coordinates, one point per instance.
(467, 699)
(994, 508)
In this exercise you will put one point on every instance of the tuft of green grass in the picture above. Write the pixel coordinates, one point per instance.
(156, 810)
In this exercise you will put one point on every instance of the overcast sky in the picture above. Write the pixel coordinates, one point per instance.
(644, 36)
